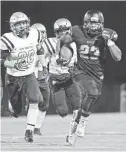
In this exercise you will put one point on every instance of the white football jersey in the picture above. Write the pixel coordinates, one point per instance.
(22, 50)
(49, 46)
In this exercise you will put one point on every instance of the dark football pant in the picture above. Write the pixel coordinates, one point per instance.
(45, 91)
(26, 85)
(90, 91)
(63, 91)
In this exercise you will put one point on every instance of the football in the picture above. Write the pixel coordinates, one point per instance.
(66, 52)
(66, 39)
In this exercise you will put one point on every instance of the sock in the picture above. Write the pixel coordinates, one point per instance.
(84, 116)
(75, 113)
(72, 125)
(40, 119)
(83, 121)
(10, 106)
(32, 116)
(77, 119)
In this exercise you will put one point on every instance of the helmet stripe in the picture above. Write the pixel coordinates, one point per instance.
(38, 36)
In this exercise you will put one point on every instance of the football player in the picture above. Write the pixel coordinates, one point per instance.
(43, 83)
(19, 49)
(93, 43)
(60, 69)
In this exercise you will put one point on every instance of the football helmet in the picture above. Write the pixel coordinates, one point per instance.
(19, 24)
(93, 22)
(62, 26)
(41, 28)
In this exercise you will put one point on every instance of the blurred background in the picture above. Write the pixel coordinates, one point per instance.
(113, 98)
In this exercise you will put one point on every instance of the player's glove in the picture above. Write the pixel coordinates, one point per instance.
(106, 35)
(109, 34)
(59, 61)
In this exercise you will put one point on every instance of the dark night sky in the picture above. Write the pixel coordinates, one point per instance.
(47, 12)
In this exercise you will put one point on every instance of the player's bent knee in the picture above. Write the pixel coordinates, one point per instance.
(62, 113)
(89, 102)
(42, 107)
(35, 98)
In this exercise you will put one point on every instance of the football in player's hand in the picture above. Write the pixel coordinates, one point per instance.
(66, 39)
(66, 52)
(65, 55)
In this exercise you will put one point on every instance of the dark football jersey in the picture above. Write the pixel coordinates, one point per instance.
(91, 52)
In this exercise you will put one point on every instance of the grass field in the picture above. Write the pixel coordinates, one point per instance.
(105, 132)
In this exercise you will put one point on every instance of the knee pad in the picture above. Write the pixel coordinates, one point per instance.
(62, 112)
(42, 107)
(35, 99)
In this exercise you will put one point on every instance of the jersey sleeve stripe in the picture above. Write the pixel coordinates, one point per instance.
(6, 45)
(12, 46)
(47, 47)
(49, 41)
(39, 36)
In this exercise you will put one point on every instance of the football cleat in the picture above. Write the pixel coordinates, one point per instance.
(37, 131)
(81, 128)
(29, 136)
(71, 138)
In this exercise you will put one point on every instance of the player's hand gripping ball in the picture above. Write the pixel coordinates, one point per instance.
(109, 34)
